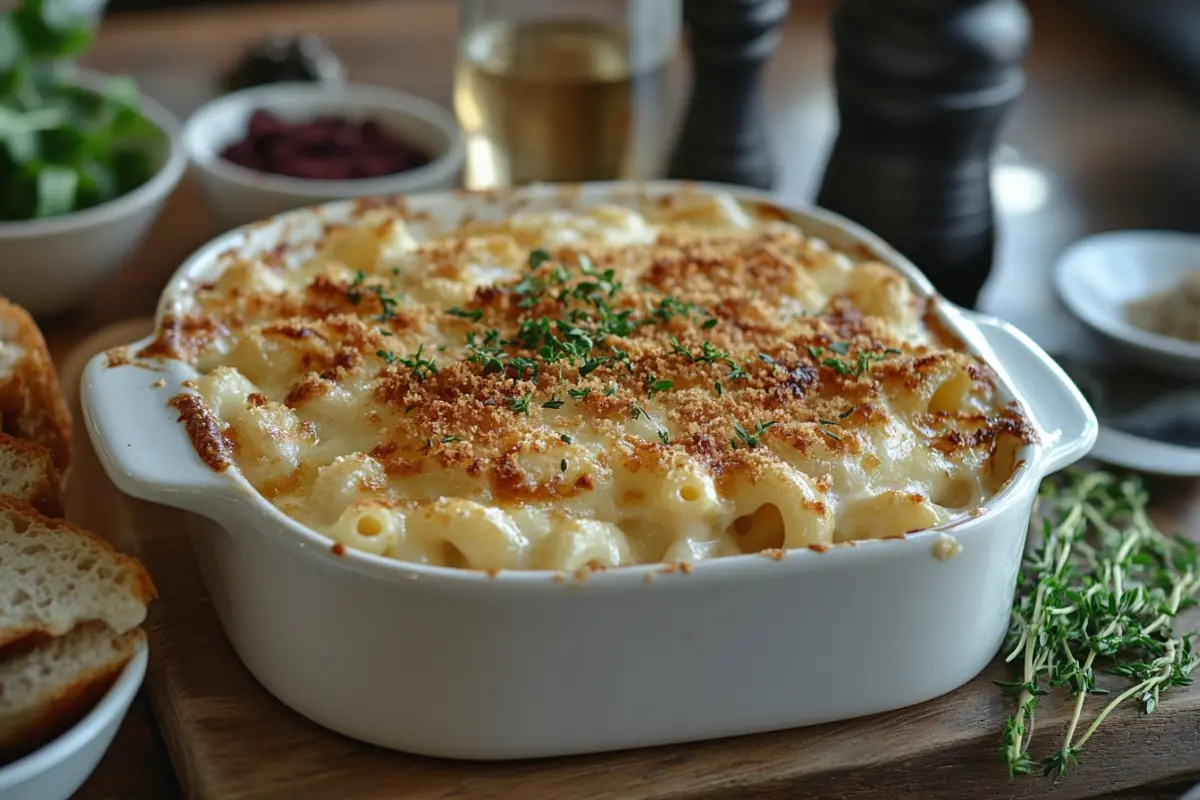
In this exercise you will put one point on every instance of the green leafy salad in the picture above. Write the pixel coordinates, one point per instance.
(64, 148)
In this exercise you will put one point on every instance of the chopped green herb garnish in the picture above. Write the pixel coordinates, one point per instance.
(488, 354)
(847, 412)
(841, 348)
(387, 304)
(861, 363)
(421, 368)
(865, 359)
(816, 352)
(562, 465)
(530, 288)
(679, 349)
(451, 439)
(751, 440)
(622, 357)
(637, 411)
(711, 355)
(354, 292)
(671, 307)
(838, 366)
(474, 314)
(579, 394)
(538, 257)
(766, 359)
(828, 432)
(387, 356)
(720, 389)
(524, 367)
(657, 386)
(590, 366)
(566, 437)
(709, 324)
(664, 436)
(553, 403)
(520, 405)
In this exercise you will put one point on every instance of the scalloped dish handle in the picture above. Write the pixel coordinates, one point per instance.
(142, 446)
(1066, 421)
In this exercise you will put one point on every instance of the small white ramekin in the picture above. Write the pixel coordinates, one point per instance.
(240, 195)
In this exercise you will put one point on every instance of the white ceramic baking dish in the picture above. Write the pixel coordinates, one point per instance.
(455, 663)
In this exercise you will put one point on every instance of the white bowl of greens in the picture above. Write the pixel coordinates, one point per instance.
(85, 166)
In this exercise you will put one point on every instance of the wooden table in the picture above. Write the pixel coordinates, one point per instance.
(1118, 140)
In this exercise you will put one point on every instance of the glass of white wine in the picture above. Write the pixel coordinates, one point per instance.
(562, 90)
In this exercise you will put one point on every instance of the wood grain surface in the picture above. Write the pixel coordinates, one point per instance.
(1110, 137)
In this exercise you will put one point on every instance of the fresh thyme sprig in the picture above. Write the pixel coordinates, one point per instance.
(1099, 593)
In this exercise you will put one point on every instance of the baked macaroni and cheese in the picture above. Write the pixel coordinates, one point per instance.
(682, 378)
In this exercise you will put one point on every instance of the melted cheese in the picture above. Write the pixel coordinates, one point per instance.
(593, 388)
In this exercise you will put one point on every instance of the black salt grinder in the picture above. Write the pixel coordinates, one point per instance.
(922, 88)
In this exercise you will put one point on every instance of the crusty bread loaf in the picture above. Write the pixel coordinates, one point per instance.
(54, 576)
(48, 688)
(27, 473)
(31, 402)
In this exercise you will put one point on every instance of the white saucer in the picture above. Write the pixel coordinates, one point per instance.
(1145, 455)
(56, 770)
(1146, 423)
(1098, 275)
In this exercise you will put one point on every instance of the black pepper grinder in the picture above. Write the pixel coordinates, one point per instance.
(922, 87)
(724, 133)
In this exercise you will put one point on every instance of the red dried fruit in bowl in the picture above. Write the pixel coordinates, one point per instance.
(323, 148)
(263, 124)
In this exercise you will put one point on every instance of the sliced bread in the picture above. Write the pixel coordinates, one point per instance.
(27, 473)
(48, 688)
(54, 576)
(31, 402)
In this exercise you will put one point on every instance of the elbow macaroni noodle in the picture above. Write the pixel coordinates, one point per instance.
(674, 380)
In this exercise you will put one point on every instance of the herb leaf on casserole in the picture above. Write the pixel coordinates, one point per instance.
(421, 367)
(520, 404)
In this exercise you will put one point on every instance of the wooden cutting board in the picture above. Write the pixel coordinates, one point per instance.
(231, 740)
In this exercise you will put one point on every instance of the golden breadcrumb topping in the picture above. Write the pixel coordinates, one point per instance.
(617, 335)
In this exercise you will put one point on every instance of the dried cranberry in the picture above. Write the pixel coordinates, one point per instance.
(263, 123)
(323, 148)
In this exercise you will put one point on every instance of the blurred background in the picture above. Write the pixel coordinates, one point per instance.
(1104, 135)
